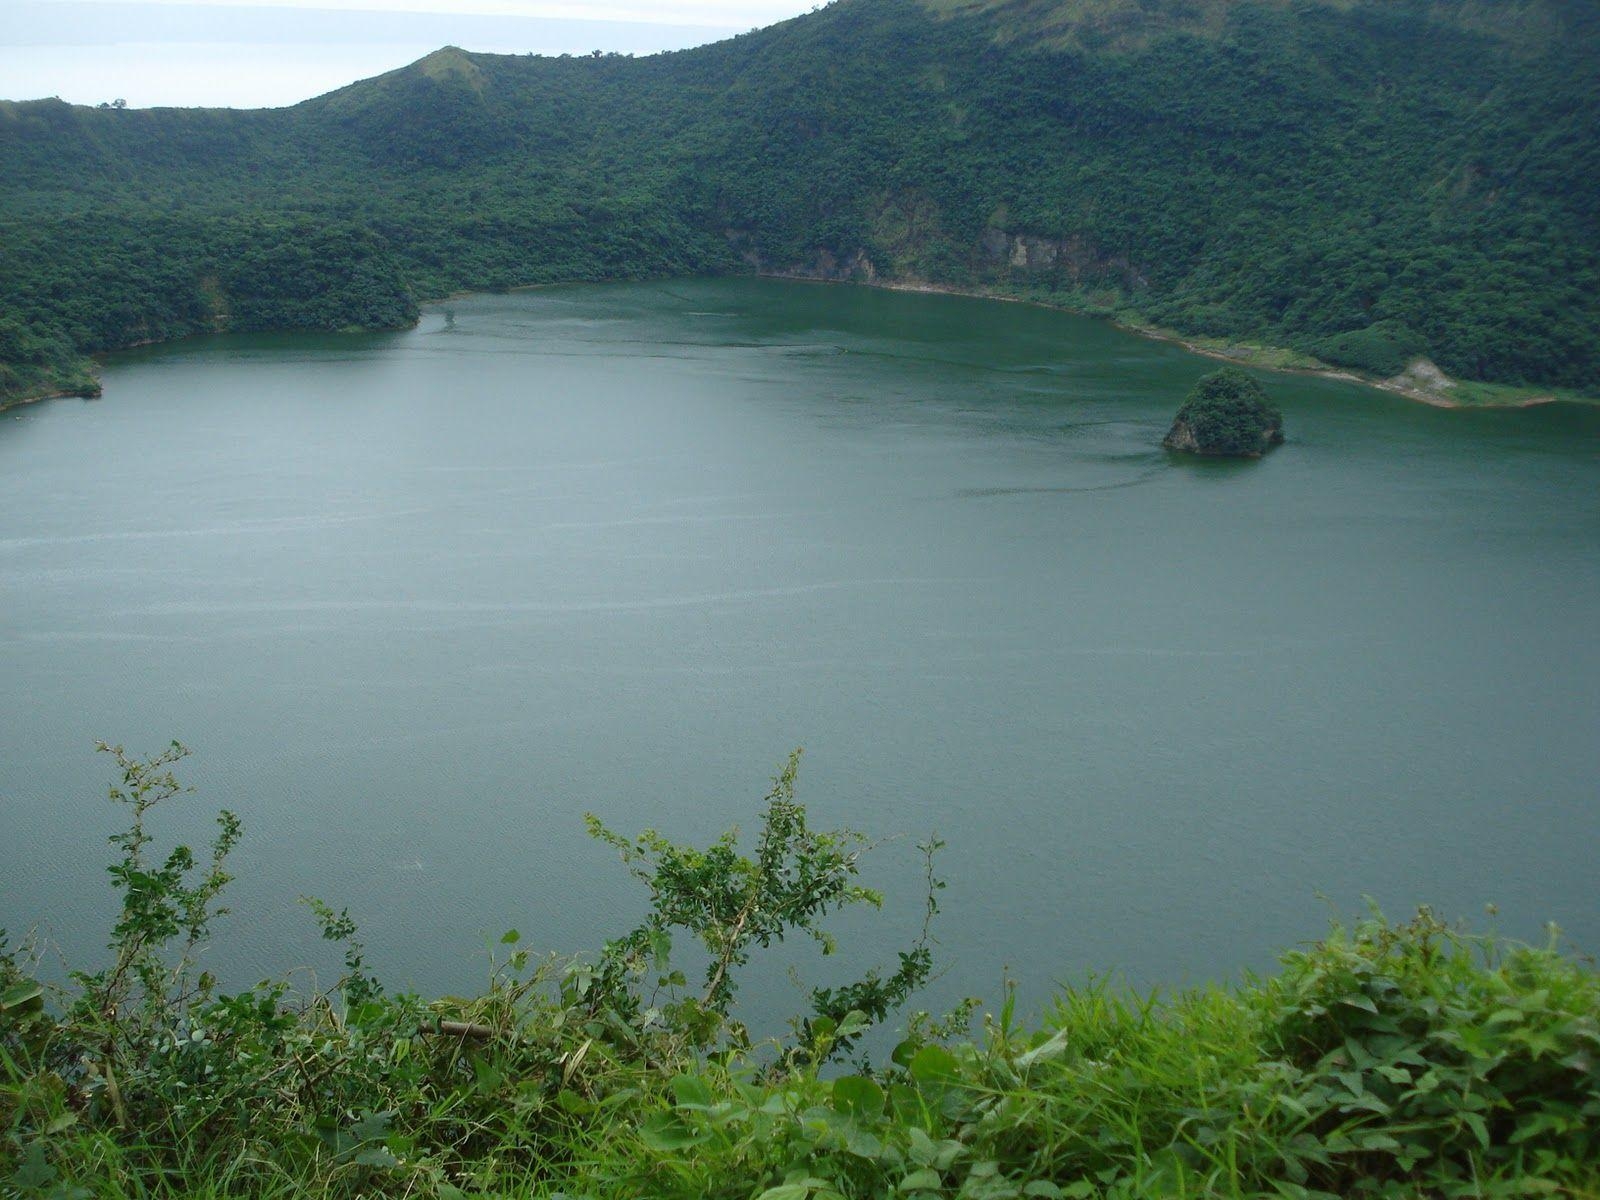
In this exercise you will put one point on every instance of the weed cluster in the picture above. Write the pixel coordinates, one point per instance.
(1388, 1060)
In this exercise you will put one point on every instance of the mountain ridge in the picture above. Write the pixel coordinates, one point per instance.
(1363, 183)
(1528, 25)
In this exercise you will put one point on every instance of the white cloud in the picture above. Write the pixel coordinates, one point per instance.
(719, 13)
(203, 75)
(249, 53)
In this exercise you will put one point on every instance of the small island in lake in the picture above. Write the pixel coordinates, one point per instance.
(1226, 414)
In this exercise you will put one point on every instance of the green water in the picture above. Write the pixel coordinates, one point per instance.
(421, 600)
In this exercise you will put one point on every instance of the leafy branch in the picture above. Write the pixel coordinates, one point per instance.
(732, 903)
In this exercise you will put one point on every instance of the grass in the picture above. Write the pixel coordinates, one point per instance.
(1475, 394)
(1388, 1060)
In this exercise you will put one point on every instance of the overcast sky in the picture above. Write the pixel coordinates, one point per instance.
(254, 53)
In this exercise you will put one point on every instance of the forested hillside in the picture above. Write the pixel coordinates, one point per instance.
(1365, 181)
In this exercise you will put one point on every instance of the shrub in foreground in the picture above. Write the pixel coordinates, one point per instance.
(1386, 1060)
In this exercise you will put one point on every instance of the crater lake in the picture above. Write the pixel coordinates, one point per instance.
(419, 601)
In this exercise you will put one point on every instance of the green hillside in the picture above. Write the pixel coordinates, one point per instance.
(1364, 181)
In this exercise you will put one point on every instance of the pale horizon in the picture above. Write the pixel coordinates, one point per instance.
(271, 53)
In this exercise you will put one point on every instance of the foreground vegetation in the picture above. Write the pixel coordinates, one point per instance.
(1361, 182)
(1386, 1060)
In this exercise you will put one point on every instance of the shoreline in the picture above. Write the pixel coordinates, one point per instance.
(1248, 355)
(24, 401)
(1392, 386)
(99, 357)
(1249, 358)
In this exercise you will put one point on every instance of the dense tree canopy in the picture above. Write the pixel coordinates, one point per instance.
(1227, 413)
(1364, 181)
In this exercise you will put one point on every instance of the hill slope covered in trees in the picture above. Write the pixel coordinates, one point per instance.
(1363, 181)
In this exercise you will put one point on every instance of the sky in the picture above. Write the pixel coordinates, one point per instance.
(265, 53)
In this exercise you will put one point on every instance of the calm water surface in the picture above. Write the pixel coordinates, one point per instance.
(419, 601)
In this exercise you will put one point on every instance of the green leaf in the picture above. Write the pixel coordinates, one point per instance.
(949, 1150)
(26, 993)
(1378, 1141)
(691, 1091)
(510, 938)
(855, 1022)
(1476, 1123)
(376, 1156)
(372, 1127)
(786, 1191)
(863, 1145)
(570, 1101)
(858, 1096)
(925, 1180)
(35, 1172)
(665, 1133)
(1052, 1047)
(660, 948)
(934, 1063)
(922, 1151)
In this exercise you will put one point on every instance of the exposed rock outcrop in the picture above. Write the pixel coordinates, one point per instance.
(1071, 258)
(1226, 415)
(998, 256)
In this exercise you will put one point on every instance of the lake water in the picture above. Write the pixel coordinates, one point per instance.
(418, 601)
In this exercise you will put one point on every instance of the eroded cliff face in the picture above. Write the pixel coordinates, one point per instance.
(1182, 437)
(1072, 259)
(998, 258)
(824, 264)
(1185, 438)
